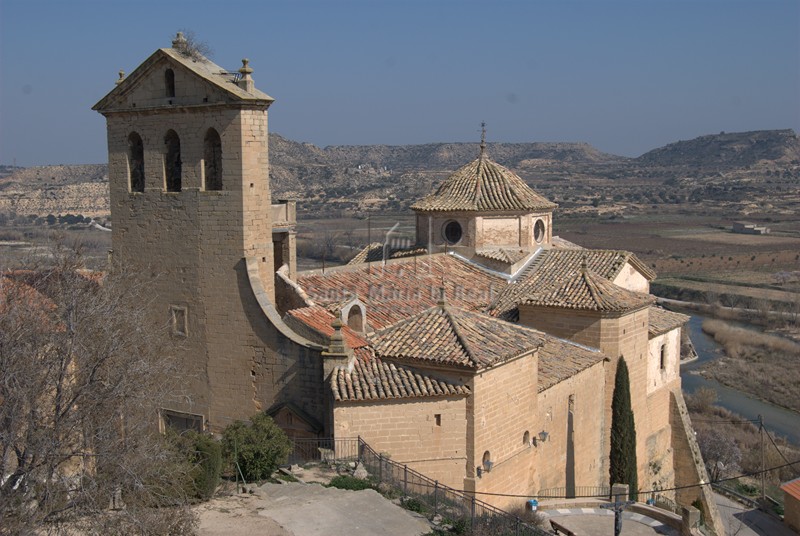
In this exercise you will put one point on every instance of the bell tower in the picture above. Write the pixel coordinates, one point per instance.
(190, 205)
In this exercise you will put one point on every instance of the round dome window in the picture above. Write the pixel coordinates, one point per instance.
(452, 232)
(538, 231)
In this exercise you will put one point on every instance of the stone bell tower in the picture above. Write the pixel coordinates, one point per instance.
(191, 208)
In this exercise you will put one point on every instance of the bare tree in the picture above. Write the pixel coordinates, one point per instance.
(721, 455)
(330, 241)
(80, 369)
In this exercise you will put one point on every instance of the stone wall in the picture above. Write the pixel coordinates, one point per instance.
(485, 230)
(631, 279)
(409, 432)
(662, 372)
(791, 508)
(194, 242)
(554, 459)
(689, 466)
(503, 407)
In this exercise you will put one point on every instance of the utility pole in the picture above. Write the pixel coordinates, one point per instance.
(763, 466)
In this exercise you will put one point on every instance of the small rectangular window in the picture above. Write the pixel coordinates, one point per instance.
(663, 356)
(179, 320)
(181, 422)
(438, 418)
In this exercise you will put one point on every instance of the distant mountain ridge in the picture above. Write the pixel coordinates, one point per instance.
(726, 150)
(390, 177)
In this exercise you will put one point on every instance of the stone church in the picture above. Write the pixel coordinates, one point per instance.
(483, 357)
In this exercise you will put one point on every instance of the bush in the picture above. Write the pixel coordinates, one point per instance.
(205, 455)
(257, 447)
(413, 504)
(349, 482)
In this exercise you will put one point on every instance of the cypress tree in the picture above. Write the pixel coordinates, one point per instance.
(622, 464)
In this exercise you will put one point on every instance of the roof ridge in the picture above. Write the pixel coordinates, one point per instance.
(462, 340)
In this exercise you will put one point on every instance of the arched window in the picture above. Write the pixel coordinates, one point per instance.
(169, 82)
(172, 161)
(526, 439)
(663, 363)
(487, 461)
(212, 160)
(135, 163)
(355, 319)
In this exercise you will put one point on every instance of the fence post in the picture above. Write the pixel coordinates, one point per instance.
(405, 479)
(435, 493)
(472, 512)
(360, 449)
(380, 467)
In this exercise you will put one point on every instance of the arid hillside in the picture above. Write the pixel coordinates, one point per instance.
(746, 174)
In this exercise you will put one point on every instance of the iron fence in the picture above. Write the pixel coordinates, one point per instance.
(328, 450)
(430, 498)
(601, 492)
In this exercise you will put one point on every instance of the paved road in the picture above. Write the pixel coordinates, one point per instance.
(601, 521)
(312, 510)
(743, 520)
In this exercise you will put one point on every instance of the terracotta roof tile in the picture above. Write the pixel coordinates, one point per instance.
(586, 290)
(507, 255)
(662, 321)
(374, 379)
(405, 287)
(319, 319)
(374, 253)
(792, 488)
(483, 185)
(447, 335)
(557, 265)
(560, 359)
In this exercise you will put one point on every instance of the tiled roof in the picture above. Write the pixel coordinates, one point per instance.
(374, 253)
(558, 242)
(451, 336)
(374, 379)
(587, 291)
(404, 287)
(792, 488)
(483, 185)
(662, 321)
(556, 265)
(507, 255)
(319, 319)
(560, 360)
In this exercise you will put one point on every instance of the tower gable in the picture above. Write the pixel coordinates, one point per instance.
(169, 79)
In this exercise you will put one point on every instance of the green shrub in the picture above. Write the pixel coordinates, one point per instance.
(207, 459)
(415, 505)
(349, 482)
(258, 447)
(204, 455)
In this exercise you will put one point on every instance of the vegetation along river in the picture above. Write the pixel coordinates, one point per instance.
(777, 420)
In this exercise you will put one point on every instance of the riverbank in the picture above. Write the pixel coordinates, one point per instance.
(764, 363)
(760, 364)
(777, 420)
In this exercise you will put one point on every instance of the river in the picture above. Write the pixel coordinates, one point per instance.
(780, 421)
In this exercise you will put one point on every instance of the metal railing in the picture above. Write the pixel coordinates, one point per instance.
(601, 492)
(419, 493)
(430, 498)
(327, 450)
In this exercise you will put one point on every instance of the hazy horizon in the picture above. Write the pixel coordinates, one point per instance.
(623, 76)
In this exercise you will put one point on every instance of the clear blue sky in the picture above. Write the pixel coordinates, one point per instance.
(625, 76)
